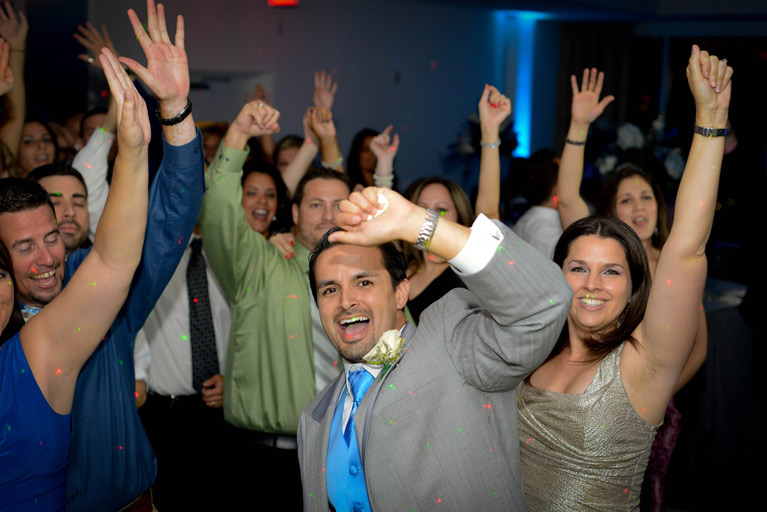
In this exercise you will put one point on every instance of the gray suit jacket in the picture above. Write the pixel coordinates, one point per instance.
(439, 429)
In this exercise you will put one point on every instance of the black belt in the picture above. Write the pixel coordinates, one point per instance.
(274, 440)
(176, 400)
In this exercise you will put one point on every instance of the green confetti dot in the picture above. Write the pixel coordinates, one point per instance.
(22, 370)
(184, 337)
(391, 422)
(500, 248)
(93, 283)
(247, 288)
(603, 427)
(9, 427)
(459, 429)
(392, 386)
(311, 494)
(79, 329)
(667, 327)
(427, 444)
(120, 361)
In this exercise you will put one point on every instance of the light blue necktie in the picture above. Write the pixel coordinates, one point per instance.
(359, 381)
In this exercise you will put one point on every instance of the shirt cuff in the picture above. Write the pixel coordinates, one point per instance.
(184, 156)
(480, 248)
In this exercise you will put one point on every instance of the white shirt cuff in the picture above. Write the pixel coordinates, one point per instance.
(479, 249)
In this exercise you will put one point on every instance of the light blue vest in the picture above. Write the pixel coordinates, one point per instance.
(347, 491)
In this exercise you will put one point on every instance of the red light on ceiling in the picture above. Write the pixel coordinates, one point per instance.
(283, 3)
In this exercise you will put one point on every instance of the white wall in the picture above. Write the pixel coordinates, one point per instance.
(418, 66)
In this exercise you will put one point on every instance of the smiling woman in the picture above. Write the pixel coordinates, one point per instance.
(38, 146)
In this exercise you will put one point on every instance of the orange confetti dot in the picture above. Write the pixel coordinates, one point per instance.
(439, 500)
(511, 263)
(488, 406)
(58, 372)
(136, 393)
(291, 296)
(668, 282)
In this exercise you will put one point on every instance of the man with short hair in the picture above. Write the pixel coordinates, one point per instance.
(278, 355)
(111, 463)
(433, 422)
(69, 196)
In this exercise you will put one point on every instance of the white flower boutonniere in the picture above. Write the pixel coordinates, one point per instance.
(387, 350)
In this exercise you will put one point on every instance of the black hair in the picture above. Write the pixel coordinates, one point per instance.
(16, 321)
(541, 180)
(602, 343)
(92, 112)
(283, 219)
(47, 170)
(353, 160)
(394, 261)
(21, 195)
(319, 173)
(51, 134)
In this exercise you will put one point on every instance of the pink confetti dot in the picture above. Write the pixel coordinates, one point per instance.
(511, 263)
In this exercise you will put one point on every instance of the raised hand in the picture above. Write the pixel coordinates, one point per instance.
(133, 130)
(321, 120)
(709, 81)
(309, 134)
(93, 41)
(384, 146)
(586, 104)
(324, 90)
(398, 221)
(259, 94)
(167, 69)
(256, 118)
(6, 75)
(14, 30)
(494, 108)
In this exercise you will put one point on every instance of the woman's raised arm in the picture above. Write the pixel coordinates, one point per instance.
(585, 109)
(673, 317)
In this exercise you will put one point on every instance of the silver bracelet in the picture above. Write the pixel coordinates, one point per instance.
(710, 132)
(427, 230)
(490, 144)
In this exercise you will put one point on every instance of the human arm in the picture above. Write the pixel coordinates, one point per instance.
(324, 90)
(94, 41)
(697, 356)
(142, 360)
(494, 108)
(385, 148)
(524, 295)
(6, 74)
(672, 318)
(93, 163)
(305, 155)
(62, 336)
(284, 243)
(213, 391)
(586, 107)
(167, 70)
(321, 121)
(14, 30)
(266, 140)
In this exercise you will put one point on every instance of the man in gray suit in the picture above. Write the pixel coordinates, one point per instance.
(438, 427)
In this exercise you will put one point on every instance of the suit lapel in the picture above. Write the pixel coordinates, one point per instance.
(322, 414)
(362, 421)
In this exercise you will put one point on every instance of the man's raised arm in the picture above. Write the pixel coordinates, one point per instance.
(166, 72)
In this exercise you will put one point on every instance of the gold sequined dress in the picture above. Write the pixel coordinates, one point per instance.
(586, 451)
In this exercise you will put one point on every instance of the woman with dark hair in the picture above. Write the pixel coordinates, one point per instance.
(265, 198)
(38, 146)
(632, 196)
(39, 364)
(361, 162)
(430, 276)
(588, 415)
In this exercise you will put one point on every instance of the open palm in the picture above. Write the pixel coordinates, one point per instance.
(586, 104)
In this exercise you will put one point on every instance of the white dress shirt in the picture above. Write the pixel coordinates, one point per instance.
(93, 163)
(540, 227)
(168, 334)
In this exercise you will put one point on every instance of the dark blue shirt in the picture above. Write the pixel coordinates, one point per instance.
(111, 462)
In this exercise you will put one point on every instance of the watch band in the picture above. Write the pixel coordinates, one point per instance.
(427, 230)
(175, 119)
(710, 132)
